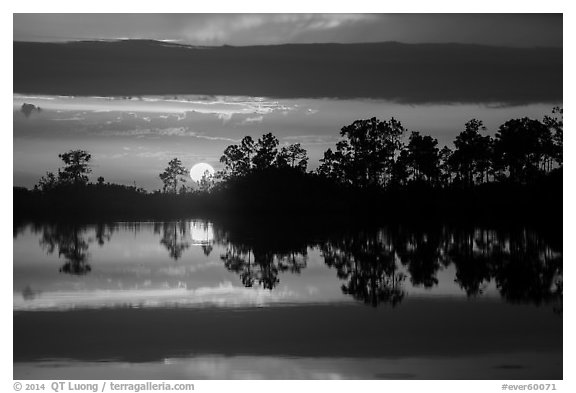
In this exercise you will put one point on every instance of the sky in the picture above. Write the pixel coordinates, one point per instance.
(132, 138)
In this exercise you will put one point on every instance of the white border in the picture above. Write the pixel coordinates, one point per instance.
(229, 6)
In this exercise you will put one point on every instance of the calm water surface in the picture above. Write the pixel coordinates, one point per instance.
(199, 299)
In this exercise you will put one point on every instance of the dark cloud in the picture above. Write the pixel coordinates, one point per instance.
(253, 29)
(424, 73)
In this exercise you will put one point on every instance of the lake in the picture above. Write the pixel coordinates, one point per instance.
(200, 299)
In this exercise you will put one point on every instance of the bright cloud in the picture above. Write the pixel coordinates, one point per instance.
(267, 28)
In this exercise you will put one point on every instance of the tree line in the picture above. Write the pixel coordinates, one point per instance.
(376, 164)
(374, 153)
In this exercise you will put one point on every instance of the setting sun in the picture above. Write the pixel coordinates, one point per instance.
(199, 169)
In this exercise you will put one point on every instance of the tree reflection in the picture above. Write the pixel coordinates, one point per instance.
(471, 253)
(238, 259)
(527, 270)
(420, 250)
(368, 263)
(72, 243)
(374, 263)
(103, 233)
(174, 237)
(207, 249)
(259, 259)
(522, 265)
(30, 294)
(258, 265)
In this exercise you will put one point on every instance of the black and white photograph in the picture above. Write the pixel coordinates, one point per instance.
(288, 196)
